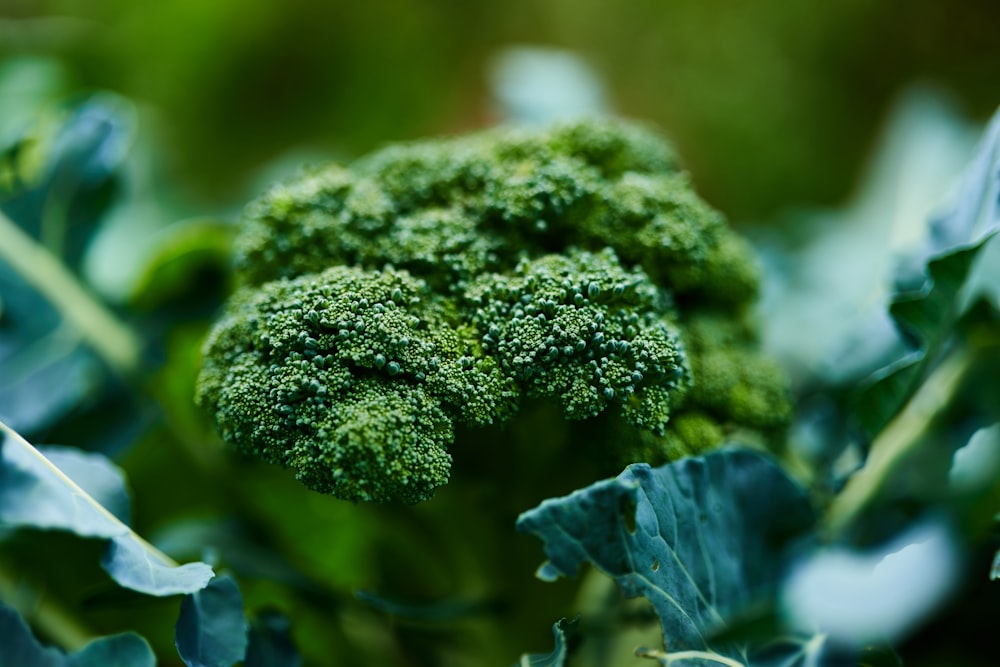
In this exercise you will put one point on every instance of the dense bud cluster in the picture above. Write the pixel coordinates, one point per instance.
(443, 283)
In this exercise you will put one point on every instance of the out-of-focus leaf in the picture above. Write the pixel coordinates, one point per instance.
(124, 650)
(29, 86)
(827, 275)
(564, 632)
(46, 371)
(61, 208)
(928, 305)
(19, 648)
(860, 598)
(785, 652)
(98, 476)
(35, 493)
(187, 261)
(235, 546)
(135, 565)
(698, 538)
(212, 630)
(270, 642)
(536, 85)
(976, 465)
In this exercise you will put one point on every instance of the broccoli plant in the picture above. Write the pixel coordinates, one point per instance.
(447, 282)
(551, 322)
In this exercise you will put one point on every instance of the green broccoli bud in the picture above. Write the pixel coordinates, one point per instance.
(582, 328)
(443, 283)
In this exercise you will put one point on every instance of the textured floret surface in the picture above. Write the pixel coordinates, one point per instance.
(443, 283)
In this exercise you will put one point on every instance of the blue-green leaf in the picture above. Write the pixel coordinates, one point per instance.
(96, 474)
(125, 650)
(62, 207)
(20, 648)
(563, 631)
(133, 564)
(270, 642)
(46, 370)
(930, 300)
(702, 538)
(34, 493)
(212, 629)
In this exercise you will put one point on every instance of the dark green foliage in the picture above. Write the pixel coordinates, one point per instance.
(211, 630)
(49, 375)
(19, 648)
(441, 283)
(697, 538)
(36, 494)
(929, 305)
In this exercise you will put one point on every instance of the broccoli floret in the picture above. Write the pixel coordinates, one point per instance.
(443, 283)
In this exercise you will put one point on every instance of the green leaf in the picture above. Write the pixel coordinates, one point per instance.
(96, 474)
(701, 538)
(19, 648)
(34, 493)
(125, 650)
(786, 652)
(270, 642)
(927, 307)
(45, 370)
(187, 268)
(858, 598)
(132, 563)
(564, 632)
(49, 326)
(61, 208)
(212, 630)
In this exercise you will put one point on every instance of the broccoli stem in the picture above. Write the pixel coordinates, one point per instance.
(901, 437)
(113, 340)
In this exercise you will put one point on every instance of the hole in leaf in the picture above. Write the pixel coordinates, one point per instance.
(655, 566)
(627, 510)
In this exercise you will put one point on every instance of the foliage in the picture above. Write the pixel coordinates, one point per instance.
(871, 543)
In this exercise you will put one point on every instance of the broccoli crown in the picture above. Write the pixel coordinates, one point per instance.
(442, 283)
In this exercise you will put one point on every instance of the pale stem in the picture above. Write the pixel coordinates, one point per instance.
(106, 334)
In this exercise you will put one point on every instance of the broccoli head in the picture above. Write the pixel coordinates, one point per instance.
(443, 283)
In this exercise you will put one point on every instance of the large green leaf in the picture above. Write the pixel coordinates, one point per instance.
(930, 300)
(19, 648)
(702, 539)
(34, 493)
(62, 205)
(212, 630)
(96, 474)
(124, 650)
(48, 218)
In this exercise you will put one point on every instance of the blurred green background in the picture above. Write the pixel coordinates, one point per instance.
(772, 104)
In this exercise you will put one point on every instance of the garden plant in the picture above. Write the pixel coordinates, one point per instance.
(490, 399)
